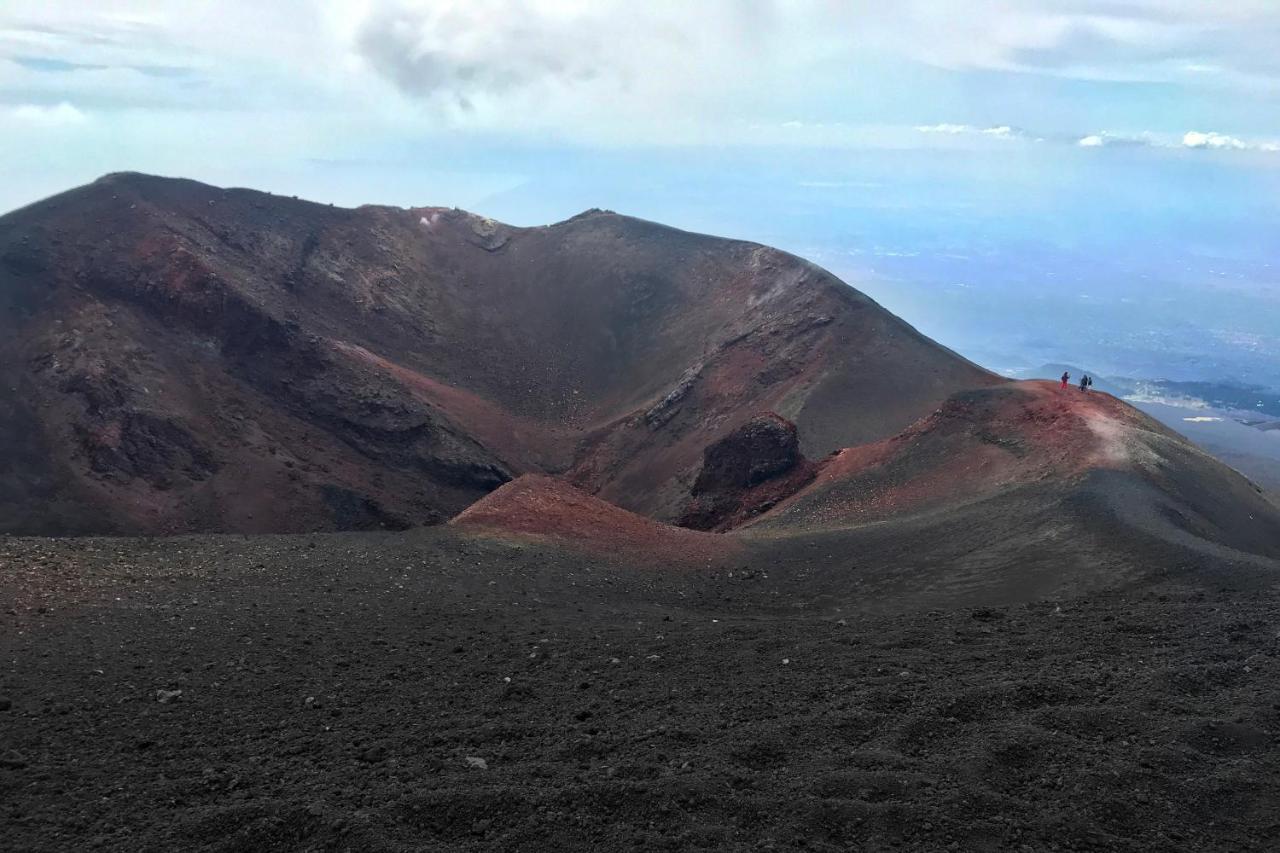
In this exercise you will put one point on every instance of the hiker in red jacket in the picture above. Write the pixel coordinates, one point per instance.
(1066, 377)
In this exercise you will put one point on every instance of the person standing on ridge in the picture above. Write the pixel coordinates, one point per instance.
(1084, 382)
(1066, 377)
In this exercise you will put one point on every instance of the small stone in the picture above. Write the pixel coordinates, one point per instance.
(12, 761)
(5, 703)
(476, 763)
(786, 661)
(164, 697)
(373, 754)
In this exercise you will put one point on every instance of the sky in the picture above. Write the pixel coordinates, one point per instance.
(1066, 180)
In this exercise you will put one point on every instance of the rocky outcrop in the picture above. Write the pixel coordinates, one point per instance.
(764, 447)
(747, 473)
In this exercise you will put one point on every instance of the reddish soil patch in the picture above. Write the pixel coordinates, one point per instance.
(549, 509)
(518, 441)
(976, 444)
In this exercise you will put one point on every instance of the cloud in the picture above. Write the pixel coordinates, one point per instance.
(1221, 141)
(463, 51)
(1210, 141)
(1106, 139)
(1196, 139)
(1002, 131)
(57, 115)
(1135, 40)
(527, 59)
(129, 54)
(617, 72)
(51, 64)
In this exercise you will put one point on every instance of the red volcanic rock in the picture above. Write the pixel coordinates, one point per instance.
(181, 357)
(548, 509)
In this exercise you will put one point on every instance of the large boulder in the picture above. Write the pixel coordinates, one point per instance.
(746, 473)
(764, 447)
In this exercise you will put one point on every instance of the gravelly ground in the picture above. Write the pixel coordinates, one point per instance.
(428, 692)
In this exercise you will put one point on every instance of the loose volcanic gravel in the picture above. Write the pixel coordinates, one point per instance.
(429, 691)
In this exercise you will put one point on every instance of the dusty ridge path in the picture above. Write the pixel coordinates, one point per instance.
(351, 692)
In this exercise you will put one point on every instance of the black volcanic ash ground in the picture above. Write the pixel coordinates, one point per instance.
(416, 691)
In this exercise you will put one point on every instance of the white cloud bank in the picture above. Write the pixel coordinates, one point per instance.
(621, 72)
(1209, 141)
(1193, 139)
(1220, 141)
(564, 63)
(1196, 139)
(1003, 131)
(56, 115)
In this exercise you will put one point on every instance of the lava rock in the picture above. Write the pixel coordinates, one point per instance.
(764, 447)
(747, 473)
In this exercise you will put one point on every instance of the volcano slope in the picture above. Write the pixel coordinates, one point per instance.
(1033, 620)
(999, 616)
(1004, 494)
(178, 357)
(452, 689)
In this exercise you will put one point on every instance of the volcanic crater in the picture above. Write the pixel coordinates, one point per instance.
(182, 358)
